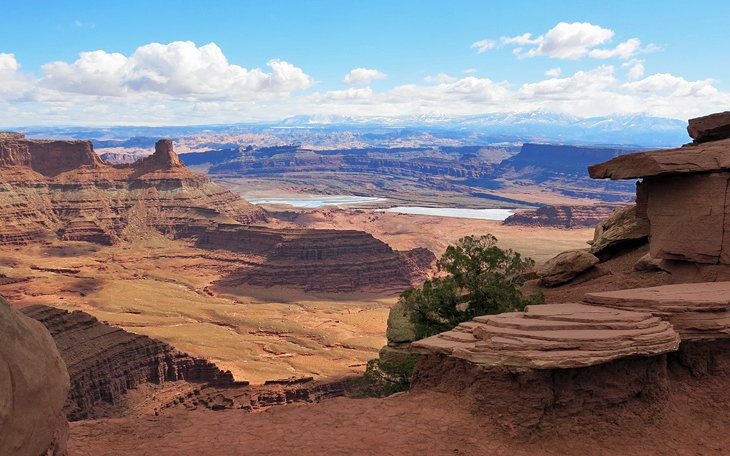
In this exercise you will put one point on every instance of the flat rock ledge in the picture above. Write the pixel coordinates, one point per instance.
(697, 311)
(554, 336)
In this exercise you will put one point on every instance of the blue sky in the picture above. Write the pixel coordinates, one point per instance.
(237, 61)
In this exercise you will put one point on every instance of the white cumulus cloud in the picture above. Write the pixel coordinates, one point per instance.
(553, 72)
(624, 50)
(178, 69)
(440, 78)
(483, 46)
(573, 41)
(14, 85)
(363, 76)
(636, 69)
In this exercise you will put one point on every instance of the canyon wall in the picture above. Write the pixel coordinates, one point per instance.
(51, 190)
(104, 362)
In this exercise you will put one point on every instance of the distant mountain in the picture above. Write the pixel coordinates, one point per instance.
(412, 131)
(633, 129)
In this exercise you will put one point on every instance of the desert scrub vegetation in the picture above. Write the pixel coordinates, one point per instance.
(477, 278)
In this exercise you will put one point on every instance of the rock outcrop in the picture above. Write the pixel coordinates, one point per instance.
(684, 193)
(691, 158)
(318, 260)
(552, 361)
(565, 267)
(33, 388)
(698, 311)
(104, 362)
(554, 336)
(562, 216)
(522, 402)
(710, 128)
(623, 227)
(62, 189)
(525, 368)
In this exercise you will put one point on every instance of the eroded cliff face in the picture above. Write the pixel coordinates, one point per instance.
(52, 190)
(318, 260)
(63, 189)
(562, 216)
(104, 362)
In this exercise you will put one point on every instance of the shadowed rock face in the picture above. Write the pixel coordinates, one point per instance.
(522, 401)
(104, 362)
(33, 388)
(562, 216)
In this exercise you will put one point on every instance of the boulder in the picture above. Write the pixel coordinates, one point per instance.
(34, 385)
(710, 128)
(554, 336)
(621, 228)
(648, 264)
(565, 266)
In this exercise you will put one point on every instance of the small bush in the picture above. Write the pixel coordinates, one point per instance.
(480, 279)
(383, 378)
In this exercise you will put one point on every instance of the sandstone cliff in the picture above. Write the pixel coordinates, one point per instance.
(61, 190)
(562, 216)
(104, 362)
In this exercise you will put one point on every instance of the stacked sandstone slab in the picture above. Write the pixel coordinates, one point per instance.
(524, 369)
(697, 311)
(554, 336)
(684, 193)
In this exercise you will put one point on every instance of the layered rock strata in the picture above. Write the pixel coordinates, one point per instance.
(525, 370)
(33, 388)
(562, 216)
(697, 311)
(318, 260)
(684, 193)
(104, 362)
(62, 190)
(554, 336)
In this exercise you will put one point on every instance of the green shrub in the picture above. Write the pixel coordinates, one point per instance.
(480, 278)
(383, 378)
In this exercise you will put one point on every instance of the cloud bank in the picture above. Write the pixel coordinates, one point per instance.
(184, 83)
